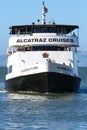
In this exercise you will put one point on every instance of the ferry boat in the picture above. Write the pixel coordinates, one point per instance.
(43, 57)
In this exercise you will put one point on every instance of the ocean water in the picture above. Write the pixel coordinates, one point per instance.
(29, 111)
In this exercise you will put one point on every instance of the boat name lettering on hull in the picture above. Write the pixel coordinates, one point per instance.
(29, 69)
(63, 68)
(45, 40)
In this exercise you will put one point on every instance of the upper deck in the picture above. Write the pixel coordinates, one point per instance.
(45, 28)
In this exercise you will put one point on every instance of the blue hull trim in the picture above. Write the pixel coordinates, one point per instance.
(44, 83)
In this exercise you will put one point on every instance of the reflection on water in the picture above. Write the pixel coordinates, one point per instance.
(43, 97)
(33, 111)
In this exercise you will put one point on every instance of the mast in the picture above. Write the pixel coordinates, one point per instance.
(44, 10)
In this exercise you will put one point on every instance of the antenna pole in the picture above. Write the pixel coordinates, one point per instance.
(43, 14)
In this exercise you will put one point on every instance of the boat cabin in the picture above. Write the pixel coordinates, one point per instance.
(35, 38)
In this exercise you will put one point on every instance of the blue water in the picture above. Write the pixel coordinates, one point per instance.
(29, 111)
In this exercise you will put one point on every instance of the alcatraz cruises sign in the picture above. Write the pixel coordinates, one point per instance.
(42, 40)
(45, 40)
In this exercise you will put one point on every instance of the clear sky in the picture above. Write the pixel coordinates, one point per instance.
(18, 12)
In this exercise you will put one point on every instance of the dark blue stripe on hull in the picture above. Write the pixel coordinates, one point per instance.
(44, 82)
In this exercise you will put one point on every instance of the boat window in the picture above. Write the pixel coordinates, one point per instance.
(47, 48)
(38, 48)
(14, 49)
(10, 69)
(44, 30)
